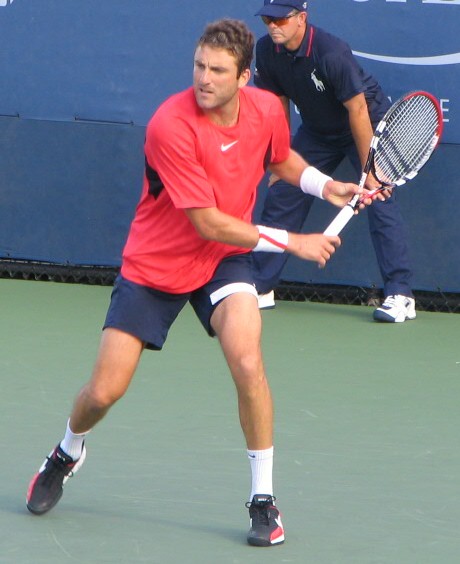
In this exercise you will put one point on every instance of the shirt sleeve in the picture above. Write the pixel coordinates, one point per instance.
(170, 149)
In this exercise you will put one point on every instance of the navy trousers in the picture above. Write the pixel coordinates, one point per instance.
(287, 207)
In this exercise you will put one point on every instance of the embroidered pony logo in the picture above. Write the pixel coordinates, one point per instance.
(318, 83)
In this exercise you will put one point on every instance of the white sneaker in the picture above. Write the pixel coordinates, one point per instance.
(395, 309)
(266, 301)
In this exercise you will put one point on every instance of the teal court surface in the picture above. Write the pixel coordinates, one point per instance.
(367, 457)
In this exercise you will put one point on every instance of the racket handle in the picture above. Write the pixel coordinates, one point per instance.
(340, 220)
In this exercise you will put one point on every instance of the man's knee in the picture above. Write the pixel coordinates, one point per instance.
(100, 398)
(248, 373)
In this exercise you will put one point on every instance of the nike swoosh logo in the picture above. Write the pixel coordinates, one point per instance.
(224, 148)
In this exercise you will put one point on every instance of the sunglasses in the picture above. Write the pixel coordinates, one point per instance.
(277, 21)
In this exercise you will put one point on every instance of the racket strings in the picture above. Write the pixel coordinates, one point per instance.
(407, 140)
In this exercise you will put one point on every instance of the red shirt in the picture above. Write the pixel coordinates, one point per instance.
(200, 165)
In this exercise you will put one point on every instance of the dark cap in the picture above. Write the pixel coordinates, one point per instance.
(281, 8)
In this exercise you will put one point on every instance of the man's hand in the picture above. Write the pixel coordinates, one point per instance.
(315, 247)
(373, 184)
(340, 193)
(272, 179)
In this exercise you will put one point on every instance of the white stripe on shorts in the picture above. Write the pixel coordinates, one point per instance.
(230, 289)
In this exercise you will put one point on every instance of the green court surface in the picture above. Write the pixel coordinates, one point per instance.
(367, 466)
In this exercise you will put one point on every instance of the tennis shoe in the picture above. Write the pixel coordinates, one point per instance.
(396, 309)
(267, 301)
(45, 488)
(265, 521)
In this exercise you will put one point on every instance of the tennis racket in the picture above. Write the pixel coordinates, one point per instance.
(402, 143)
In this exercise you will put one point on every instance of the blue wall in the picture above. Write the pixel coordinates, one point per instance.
(80, 79)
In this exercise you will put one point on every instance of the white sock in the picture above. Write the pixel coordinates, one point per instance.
(72, 444)
(262, 471)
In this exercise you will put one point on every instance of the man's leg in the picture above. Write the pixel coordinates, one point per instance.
(237, 323)
(116, 363)
(389, 238)
(390, 241)
(391, 247)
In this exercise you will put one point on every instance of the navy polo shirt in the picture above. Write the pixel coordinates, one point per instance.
(318, 78)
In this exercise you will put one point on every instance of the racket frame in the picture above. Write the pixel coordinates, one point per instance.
(346, 213)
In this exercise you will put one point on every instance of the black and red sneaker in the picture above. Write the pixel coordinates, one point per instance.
(45, 488)
(265, 520)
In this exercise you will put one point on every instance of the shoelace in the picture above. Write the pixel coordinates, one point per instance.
(259, 515)
(259, 511)
(391, 301)
(58, 467)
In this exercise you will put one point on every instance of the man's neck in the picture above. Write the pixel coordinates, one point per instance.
(227, 116)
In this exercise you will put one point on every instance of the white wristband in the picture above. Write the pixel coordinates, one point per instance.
(271, 240)
(312, 181)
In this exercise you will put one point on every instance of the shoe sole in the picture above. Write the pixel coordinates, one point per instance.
(385, 318)
(265, 543)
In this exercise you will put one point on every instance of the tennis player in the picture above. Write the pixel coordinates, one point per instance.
(339, 105)
(206, 150)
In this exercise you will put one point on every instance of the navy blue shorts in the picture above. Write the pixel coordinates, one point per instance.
(148, 314)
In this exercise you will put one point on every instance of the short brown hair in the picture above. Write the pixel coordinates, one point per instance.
(234, 36)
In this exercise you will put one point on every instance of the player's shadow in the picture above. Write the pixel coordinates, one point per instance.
(234, 535)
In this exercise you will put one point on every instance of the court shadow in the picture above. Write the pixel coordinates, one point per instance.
(86, 514)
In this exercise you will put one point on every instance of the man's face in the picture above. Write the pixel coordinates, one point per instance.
(215, 80)
(285, 31)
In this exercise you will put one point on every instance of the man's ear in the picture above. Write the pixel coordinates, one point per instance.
(244, 78)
